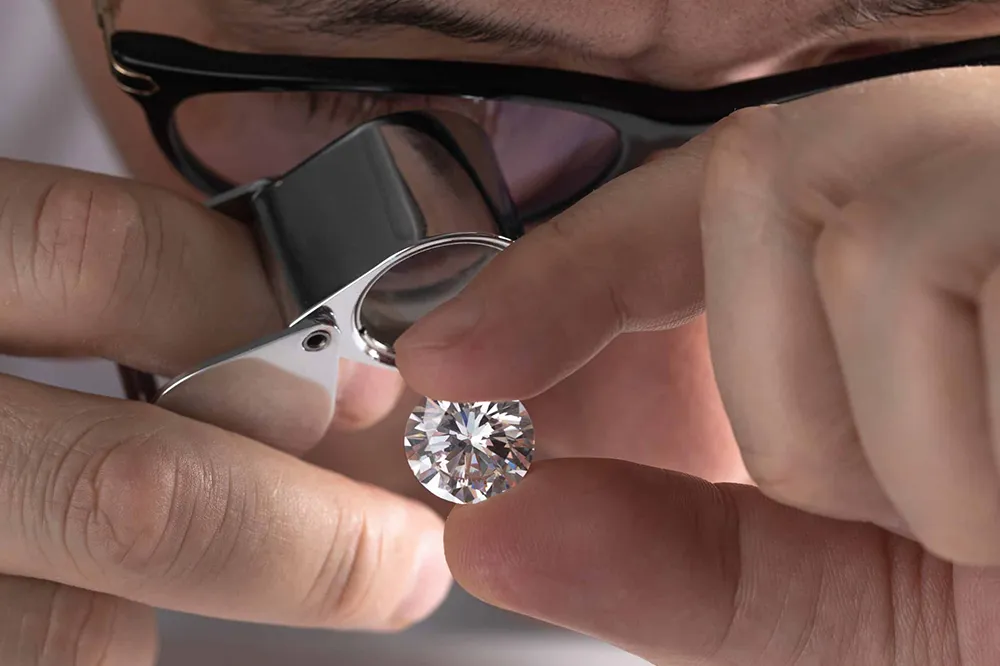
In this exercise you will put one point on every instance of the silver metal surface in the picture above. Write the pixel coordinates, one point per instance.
(386, 186)
(360, 242)
(282, 390)
(379, 306)
(278, 392)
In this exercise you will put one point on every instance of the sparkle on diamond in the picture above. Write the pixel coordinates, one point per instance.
(468, 452)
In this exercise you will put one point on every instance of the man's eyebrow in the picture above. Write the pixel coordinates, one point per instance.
(855, 13)
(354, 17)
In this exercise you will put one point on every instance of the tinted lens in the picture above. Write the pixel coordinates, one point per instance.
(547, 155)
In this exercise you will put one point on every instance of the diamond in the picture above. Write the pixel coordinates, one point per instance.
(468, 452)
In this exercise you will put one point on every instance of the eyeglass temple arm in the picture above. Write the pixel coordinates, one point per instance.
(132, 82)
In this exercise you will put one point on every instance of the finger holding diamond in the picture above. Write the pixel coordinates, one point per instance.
(550, 303)
(679, 571)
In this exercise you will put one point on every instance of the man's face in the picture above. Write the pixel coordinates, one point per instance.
(673, 43)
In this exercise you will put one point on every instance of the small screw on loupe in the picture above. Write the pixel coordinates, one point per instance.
(317, 341)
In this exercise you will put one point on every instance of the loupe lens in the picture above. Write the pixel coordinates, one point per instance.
(416, 285)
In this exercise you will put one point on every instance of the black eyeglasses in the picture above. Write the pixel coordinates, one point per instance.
(227, 118)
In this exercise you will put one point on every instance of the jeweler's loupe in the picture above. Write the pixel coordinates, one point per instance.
(360, 242)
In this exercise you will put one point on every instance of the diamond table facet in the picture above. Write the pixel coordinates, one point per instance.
(468, 452)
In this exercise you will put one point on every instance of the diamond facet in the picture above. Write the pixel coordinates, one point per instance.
(468, 452)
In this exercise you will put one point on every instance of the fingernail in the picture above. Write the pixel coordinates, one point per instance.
(431, 582)
(446, 325)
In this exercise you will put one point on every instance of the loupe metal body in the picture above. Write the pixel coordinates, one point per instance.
(359, 242)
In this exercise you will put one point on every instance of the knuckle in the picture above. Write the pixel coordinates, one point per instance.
(116, 493)
(134, 504)
(92, 244)
(882, 240)
(812, 479)
(353, 587)
(750, 131)
(854, 245)
(745, 156)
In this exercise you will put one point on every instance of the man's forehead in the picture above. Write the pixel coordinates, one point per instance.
(618, 25)
(517, 23)
(603, 29)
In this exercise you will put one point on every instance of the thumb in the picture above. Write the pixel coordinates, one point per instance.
(677, 570)
(626, 258)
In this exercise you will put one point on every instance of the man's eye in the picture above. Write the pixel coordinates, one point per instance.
(353, 108)
(545, 153)
(244, 136)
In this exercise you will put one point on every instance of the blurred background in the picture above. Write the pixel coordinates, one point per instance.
(46, 117)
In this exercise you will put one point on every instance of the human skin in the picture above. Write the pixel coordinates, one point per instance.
(668, 567)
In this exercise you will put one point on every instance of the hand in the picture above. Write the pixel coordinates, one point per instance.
(109, 507)
(847, 251)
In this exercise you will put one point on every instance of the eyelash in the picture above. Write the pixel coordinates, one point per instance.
(351, 107)
(355, 108)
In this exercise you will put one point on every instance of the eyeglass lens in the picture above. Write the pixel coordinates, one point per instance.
(548, 155)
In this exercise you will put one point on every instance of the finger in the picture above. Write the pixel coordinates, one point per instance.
(772, 182)
(550, 303)
(679, 571)
(96, 266)
(106, 267)
(627, 257)
(664, 376)
(902, 270)
(47, 624)
(774, 356)
(136, 502)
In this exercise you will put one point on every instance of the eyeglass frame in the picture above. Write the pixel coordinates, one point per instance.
(161, 72)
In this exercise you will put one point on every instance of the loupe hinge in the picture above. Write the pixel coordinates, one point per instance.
(322, 316)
